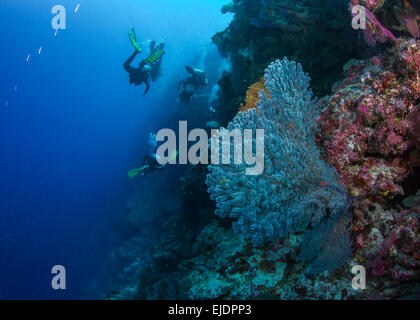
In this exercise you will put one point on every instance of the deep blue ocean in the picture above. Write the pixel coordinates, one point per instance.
(71, 127)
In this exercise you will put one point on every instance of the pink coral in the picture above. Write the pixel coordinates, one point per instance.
(378, 268)
(414, 124)
(398, 15)
(360, 241)
(374, 30)
(377, 265)
(377, 31)
(366, 127)
(412, 26)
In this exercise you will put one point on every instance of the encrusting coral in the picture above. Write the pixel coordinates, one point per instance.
(401, 16)
(366, 126)
(252, 97)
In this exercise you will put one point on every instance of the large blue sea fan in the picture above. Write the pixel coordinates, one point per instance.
(297, 189)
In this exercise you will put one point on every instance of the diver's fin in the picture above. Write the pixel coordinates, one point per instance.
(134, 33)
(154, 56)
(133, 40)
(132, 173)
(173, 156)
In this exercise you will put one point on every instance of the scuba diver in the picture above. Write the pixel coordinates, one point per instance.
(150, 164)
(187, 87)
(150, 161)
(149, 68)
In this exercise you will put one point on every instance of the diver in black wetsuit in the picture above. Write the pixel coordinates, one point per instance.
(149, 68)
(150, 164)
(138, 75)
(187, 87)
(150, 161)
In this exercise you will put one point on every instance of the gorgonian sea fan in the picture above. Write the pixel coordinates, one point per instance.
(297, 189)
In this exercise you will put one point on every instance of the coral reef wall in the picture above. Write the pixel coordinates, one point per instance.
(317, 34)
(340, 185)
(367, 126)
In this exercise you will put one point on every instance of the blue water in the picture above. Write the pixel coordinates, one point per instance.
(71, 127)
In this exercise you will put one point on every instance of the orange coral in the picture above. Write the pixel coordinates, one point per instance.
(252, 95)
